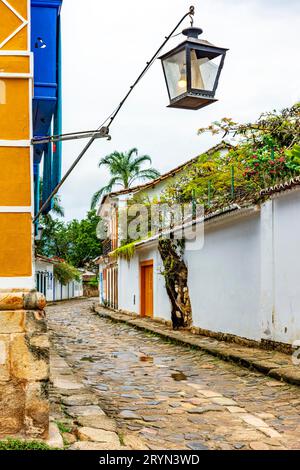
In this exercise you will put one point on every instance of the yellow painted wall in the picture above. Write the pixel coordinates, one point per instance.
(18, 43)
(10, 22)
(20, 6)
(15, 176)
(14, 110)
(15, 245)
(14, 64)
(15, 165)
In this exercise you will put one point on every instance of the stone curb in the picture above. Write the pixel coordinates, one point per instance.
(274, 364)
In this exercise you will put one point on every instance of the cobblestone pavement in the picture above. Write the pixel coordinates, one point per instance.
(169, 396)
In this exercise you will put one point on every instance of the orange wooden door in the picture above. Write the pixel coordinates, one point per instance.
(147, 289)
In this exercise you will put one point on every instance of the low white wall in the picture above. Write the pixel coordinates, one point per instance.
(244, 280)
(71, 291)
(224, 278)
(286, 311)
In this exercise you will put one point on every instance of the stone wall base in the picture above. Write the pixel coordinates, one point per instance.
(230, 338)
(24, 365)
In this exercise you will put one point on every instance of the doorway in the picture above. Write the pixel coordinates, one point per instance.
(146, 270)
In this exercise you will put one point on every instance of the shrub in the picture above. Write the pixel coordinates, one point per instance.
(16, 444)
(66, 273)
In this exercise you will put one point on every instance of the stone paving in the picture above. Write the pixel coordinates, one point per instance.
(276, 364)
(166, 396)
(77, 421)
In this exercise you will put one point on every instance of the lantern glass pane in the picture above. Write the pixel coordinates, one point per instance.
(204, 71)
(175, 70)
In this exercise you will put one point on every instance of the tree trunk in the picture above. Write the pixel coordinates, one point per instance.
(176, 278)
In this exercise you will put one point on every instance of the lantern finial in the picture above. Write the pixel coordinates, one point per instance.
(192, 10)
(192, 13)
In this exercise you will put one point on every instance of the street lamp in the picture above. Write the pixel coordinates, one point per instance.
(192, 70)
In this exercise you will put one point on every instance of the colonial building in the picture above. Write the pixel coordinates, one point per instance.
(242, 276)
(50, 286)
(111, 282)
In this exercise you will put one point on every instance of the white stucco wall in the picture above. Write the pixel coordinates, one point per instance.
(243, 281)
(42, 266)
(224, 278)
(129, 283)
(68, 292)
(128, 279)
(286, 312)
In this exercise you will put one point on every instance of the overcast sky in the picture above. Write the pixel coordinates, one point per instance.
(105, 46)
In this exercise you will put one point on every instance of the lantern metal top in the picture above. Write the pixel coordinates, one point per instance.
(192, 37)
(192, 32)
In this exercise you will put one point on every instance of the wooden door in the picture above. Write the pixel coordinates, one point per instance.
(147, 289)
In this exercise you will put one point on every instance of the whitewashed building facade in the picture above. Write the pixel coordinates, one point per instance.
(52, 289)
(243, 278)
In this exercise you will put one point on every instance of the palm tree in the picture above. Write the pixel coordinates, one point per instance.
(125, 169)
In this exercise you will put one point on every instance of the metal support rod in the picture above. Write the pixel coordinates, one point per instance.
(98, 134)
(151, 61)
(114, 114)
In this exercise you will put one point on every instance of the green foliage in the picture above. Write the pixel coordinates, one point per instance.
(293, 156)
(268, 153)
(54, 241)
(75, 241)
(63, 428)
(125, 169)
(209, 181)
(125, 251)
(16, 444)
(66, 273)
(83, 242)
(283, 127)
(93, 282)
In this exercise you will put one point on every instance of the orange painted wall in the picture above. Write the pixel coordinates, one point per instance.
(10, 22)
(15, 245)
(15, 166)
(20, 6)
(14, 64)
(14, 113)
(15, 176)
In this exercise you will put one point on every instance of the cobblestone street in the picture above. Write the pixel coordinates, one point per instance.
(166, 396)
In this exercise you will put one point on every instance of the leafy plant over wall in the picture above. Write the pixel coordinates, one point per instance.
(283, 127)
(267, 153)
(66, 273)
(126, 251)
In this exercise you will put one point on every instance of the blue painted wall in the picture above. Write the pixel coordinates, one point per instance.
(46, 47)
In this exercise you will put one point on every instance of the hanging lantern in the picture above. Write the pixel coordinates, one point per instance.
(192, 71)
